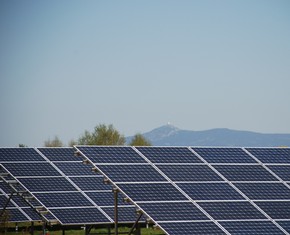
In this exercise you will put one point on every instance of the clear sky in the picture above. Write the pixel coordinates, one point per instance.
(67, 66)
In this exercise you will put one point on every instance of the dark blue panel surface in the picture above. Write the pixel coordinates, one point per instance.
(210, 191)
(169, 154)
(251, 227)
(19, 154)
(84, 216)
(31, 169)
(3, 200)
(152, 192)
(264, 191)
(173, 211)
(101, 154)
(75, 168)
(276, 209)
(285, 225)
(105, 198)
(193, 228)
(282, 171)
(132, 173)
(47, 184)
(75, 199)
(190, 173)
(15, 215)
(91, 183)
(59, 154)
(231, 210)
(271, 155)
(224, 155)
(32, 214)
(245, 173)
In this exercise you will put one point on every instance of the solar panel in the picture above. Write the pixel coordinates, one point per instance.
(245, 173)
(193, 228)
(103, 154)
(252, 227)
(84, 215)
(173, 211)
(104, 198)
(271, 155)
(74, 168)
(19, 154)
(276, 209)
(210, 191)
(125, 213)
(58, 154)
(31, 169)
(152, 192)
(132, 173)
(231, 210)
(283, 171)
(265, 191)
(52, 184)
(224, 155)
(215, 191)
(89, 183)
(189, 173)
(169, 154)
(285, 225)
(75, 199)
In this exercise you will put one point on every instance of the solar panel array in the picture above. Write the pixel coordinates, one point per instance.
(63, 185)
(199, 190)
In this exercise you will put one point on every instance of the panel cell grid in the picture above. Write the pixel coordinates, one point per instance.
(74, 168)
(19, 154)
(245, 173)
(152, 192)
(131, 173)
(169, 154)
(192, 228)
(283, 171)
(47, 184)
(181, 211)
(111, 154)
(105, 198)
(224, 155)
(15, 215)
(210, 191)
(31, 169)
(264, 191)
(231, 210)
(84, 216)
(190, 173)
(59, 154)
(252, 227)
(276, 209)
(91, 183)
(285, 225)
(75, 199)
(271, 155)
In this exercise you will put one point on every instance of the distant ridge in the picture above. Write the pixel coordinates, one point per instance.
(169, 135)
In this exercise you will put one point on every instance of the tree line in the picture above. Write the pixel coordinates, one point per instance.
(101, 135)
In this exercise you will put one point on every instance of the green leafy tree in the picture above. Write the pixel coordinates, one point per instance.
(102, 135)
(139, 140)
(56, 142)
(72, 142)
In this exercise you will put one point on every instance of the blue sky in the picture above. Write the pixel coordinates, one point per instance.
(67, 66)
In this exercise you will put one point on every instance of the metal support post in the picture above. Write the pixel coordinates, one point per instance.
(135, 224)
(115, 190)
(6, 204)
(32, 228)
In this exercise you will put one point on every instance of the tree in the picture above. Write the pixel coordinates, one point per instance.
(72, 142)
(139, 140)
(56, 142)
(102, 135)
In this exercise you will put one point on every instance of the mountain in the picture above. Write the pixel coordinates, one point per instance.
(169, 135)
